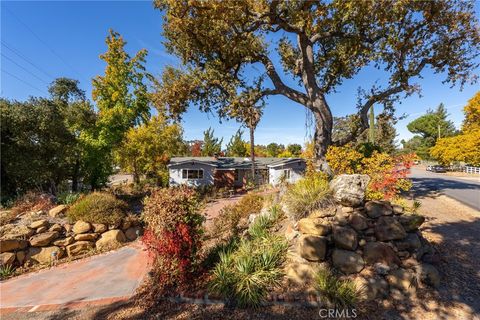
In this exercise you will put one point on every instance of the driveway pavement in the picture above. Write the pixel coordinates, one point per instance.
(464, 190)
(104, 279)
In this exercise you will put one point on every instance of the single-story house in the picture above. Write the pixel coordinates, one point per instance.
(233, 172)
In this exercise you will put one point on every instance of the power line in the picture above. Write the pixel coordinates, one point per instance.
(19, 54)
(44, 43)
(19, 79)
(23, 68)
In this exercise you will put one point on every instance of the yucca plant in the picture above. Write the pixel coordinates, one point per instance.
(341, 293)
(261, 225)
(6, 271)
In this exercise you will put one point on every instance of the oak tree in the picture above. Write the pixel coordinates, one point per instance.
(237, 52)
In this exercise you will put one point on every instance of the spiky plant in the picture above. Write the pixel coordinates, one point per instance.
(341, 293)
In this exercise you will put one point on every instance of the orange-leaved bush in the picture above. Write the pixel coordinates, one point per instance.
(388, 174)
(173, 235)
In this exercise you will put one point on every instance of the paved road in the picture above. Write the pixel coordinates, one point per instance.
(466, 191)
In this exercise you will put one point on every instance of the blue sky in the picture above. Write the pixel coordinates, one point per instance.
(44, 40)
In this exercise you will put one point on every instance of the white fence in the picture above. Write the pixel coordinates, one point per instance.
(474, 170)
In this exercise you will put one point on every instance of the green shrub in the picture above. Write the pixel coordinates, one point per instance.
(306, 195)
(249, 269)
(260, 227)
(98, 207)
(68, 198)
(341, 293)
(230, 216)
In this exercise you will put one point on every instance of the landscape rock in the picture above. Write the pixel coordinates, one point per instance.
(312, 248)
(347, 209)
(375, 252)
(81, 227)
(323, 213)
(43, 239)
(411, 222)
(313, 227)
(401, 279)
(86, 237)
(111, 239)
(347, 261)
(300, 273)
(397, 209)
(64, 242)
(131, 233)
(20, 255)
(57, 211)
(388, 228)
(126, 224)
(349, 189)
(44, 255)
(39, 223)
(410, 242)
(372, 288)
(358, 221)
(99, 227)
(12, 245)
(345, 238)
(79, 247)
(67, 227)
(41, 229)
(376, 209)
(381, 269)
(428, 274)
(17, 232)
(7, 258)
(56, 227)
(342, 218)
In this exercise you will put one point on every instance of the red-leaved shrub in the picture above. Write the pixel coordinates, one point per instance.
(173, 235)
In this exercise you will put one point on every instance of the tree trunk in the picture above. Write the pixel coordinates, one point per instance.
(252, 150)
(323, 134)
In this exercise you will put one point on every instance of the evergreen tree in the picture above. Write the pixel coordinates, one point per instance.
(236, 146)
(211, 146)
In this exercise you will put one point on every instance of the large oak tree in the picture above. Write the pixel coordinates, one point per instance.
(230, 50)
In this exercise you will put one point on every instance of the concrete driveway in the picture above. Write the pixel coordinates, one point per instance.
(466, 191)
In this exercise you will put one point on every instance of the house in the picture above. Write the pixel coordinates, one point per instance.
(233, 172)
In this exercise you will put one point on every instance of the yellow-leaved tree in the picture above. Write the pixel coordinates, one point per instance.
(464, 147)
(146, 149)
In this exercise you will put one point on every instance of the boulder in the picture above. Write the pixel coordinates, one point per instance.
(401, 279)
(7, 258)
(347, 209)
(43, 239)
(375, 252)
(17, 232)
(44, 255)
(126, 224)
(41, 229)
(349, 190)
(341, 217)
(12, 245)
(388, 228)
(323, 213)
(57, 211)
(347, 261)
(86, 237)
(312, 248)
(398, 209)
(68, 227)
(313, 227)
(376, 209)
(358, 221)
(64, 242)
(81, 227)
(372, 288)
(99, 227)
(39, 223)
(411, 222)
(111, 239)
(345, 238)
(410, 242)
(79, 247)
(428, 274)
(56, 227)
(300, 273)
(20, 257)
(131, 233)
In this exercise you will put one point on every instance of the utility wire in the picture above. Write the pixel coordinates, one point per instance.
(19, 54)
(19, 79)
(23, 68)
(44, 43)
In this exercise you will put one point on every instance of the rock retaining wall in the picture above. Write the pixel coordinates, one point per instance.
(44, 242)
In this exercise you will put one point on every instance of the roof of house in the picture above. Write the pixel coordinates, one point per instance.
(234, 162)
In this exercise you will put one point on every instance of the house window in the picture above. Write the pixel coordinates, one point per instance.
(286, 174)
(192, 174)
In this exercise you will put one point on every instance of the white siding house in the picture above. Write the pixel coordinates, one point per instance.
(290, 172)
(191, 173)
